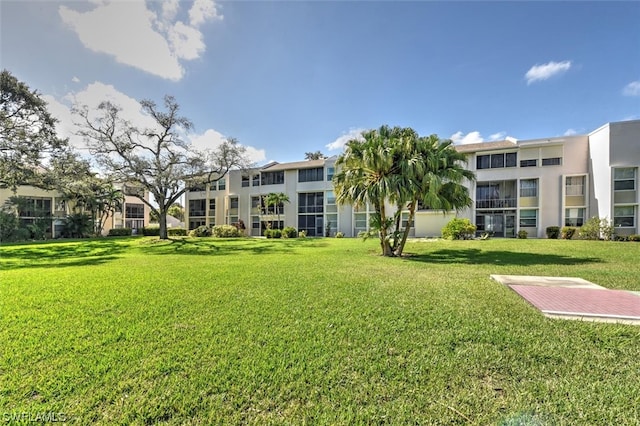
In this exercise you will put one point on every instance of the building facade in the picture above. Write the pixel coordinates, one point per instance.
(52, 205)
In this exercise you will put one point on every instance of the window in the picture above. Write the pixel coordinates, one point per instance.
(528, 163)
(574, 185)
(222, 184)
(233, 202)
(193, 224)
(256, 180)
(35, 207)
(555, 161)
(272, 178)
(574, 217)
(196, 207)
(245, 181)
(311, 175)
(624, 179)
(331, 202)
(197, 187)
(624, 216)
(528, 218)
(483, 162)
(330, 172)
(212, 207)
(529, 187)
(497, 161)
(134, 211)
(310, 202)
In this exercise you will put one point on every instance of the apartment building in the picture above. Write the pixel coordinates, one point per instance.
(51, 204)
(521, 185)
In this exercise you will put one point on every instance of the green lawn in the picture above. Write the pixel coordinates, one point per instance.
(314, 331)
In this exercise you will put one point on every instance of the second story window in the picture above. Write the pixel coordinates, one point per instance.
(624, 179)
(245, 181)
(330, 172)
(255, 181)
(497, 161)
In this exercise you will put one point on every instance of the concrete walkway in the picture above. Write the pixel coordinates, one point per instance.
(575, 298)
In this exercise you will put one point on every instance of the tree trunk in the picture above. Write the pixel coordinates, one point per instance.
(162, 221)
(384, 241)
(405, 234)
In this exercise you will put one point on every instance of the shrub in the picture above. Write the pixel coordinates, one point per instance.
(289, 232)
(595, 229)
(302, 234)
(568, 232)
(459, 229)
(522, 234)
(339, 234)
(9, 224)
(553, 232)
(634, 237)
(226, 231)
(176, 232)
(119, 232)
(272, 233)
(201, 231)
(151, 231)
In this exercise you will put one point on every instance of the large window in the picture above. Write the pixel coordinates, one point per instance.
(36, 207)
(624, 179)
(222, 184)
(529, 187)
(624, 216)
(255, 181)
(245, 181)
(574, 185)
(528, 218)
(272, 178)
(310, 213)
(311, 175)
(574, 217)
(196, 208)
(212, 211)
(497, 161)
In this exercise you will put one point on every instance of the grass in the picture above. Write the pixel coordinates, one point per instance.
(314, 331)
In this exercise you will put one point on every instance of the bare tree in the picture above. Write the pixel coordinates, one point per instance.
(155, 159)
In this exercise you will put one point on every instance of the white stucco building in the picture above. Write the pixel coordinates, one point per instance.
(521, 185)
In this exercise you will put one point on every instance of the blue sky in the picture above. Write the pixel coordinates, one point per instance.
(289, 77)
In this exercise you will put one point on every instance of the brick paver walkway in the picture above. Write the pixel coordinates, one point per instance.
(582, 301)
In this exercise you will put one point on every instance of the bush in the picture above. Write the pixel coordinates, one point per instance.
(459, 229)
(119, 232)
(568, 232)
(522, 234)
(272, 233)
(9, 224)
(176, 232)
(553, 232)
(226, 231)
(634, 237)
(289, 232)
(151, 231)
(201, 231)
(302, 234)
(339, 234)
(595, 229)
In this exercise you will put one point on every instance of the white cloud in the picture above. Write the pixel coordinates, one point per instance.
(211, 139)
(139, 37)
(546, 71)
(202, 11)
(632, 89)
(75, 79)
(498, 136)
(342, 140)
(570, 132)
(460, 138)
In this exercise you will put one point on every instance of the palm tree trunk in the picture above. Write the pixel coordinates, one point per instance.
(384, 241)
(407, 229)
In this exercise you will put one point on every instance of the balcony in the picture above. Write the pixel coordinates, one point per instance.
(492, 203)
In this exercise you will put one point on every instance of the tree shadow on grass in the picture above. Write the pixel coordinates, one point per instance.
(59, 254)
(223, 247)
(480, 257)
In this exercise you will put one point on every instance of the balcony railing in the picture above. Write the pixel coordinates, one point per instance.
(505, 203)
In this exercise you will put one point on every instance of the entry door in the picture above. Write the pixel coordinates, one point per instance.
(510, 226)
(495, 223)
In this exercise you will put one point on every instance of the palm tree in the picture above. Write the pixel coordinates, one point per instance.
(435, 179)
(276, 200)
(368, 173)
